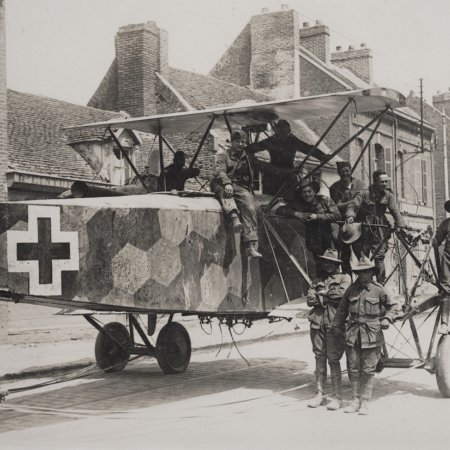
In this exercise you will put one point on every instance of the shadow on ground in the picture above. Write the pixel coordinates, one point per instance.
(143, 385)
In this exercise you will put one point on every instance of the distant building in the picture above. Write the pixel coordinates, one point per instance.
(439, 116)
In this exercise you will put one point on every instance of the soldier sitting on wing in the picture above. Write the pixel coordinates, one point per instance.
(319, 213)
(233, 187)
(368, 309)
(324, 296)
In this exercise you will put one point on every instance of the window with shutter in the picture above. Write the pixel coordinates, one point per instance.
(401, 174)
(418, 179)
(424, 182)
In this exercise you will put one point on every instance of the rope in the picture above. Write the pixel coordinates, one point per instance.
(296, 326)
(237, 348)
(78, 374)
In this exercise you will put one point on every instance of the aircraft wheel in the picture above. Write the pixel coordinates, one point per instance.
(443, 365)
(110, 356)
(173, 348)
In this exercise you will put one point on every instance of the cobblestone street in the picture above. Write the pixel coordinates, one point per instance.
(221, 403)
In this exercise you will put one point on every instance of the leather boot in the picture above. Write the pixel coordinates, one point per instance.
(366, 394)
(252, 250)
(354, 405)
(336, 381)
(445, 312)
(318, 399)
(236, 223)
(321, 378)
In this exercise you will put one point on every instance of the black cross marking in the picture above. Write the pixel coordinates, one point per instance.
(44, 251)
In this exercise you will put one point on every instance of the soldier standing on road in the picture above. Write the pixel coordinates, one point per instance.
(369, 311)
(342, 193)
(369, 207)
(443, 234)
(324, 296)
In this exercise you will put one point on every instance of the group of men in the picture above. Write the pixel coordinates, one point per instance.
(360, 211)
(345, 316)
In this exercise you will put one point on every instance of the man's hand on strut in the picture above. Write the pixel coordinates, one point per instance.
(385, 324)
(349, 220)
(228, 191)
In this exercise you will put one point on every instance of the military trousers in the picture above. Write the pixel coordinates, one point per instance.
(362, 362)
(327, 346)
(242, 202)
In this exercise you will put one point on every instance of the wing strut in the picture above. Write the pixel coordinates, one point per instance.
(350, 140)
(287, 251)
(366, 146)
(125, 155)
(161, 159)
(316, 146)
(200, 146)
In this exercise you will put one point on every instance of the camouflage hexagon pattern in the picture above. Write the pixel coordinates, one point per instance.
(163, 255)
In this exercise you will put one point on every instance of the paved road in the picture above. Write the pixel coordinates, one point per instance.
(221, 403)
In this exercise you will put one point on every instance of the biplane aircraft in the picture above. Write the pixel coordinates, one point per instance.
(172, 252)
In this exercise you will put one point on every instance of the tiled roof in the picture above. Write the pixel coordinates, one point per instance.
(37, 141)
(202, 91)
(342, 74)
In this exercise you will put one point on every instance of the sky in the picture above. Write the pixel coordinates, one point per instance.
(63, 48)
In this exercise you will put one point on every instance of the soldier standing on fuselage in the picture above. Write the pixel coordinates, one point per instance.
(324, 296)
(369, 310)
(369, 207)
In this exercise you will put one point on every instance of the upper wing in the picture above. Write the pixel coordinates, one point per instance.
(328, 105)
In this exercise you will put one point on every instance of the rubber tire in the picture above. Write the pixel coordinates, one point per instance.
(108, 353)
(173, 348)
(443, 365)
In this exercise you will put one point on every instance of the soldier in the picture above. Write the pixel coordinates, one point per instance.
(443, 234)
(175, 175)
(282, 147)
(319, 213)
(369, 207)
(233, 186)
(369, 310)
(342, 192)
(324, 296)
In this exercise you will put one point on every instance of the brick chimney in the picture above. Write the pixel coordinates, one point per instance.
(316, 39)
(358, 61)
(274, 62)
(141, 51)
(442, 101)
(3, 108)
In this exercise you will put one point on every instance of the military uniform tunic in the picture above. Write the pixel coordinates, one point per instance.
(282, 155)
(235, 168)
(324, 296)
(369, 207)
(443, 234)
(322, 233)
(364, 306)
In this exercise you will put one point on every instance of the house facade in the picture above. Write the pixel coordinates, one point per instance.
(276, 56)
